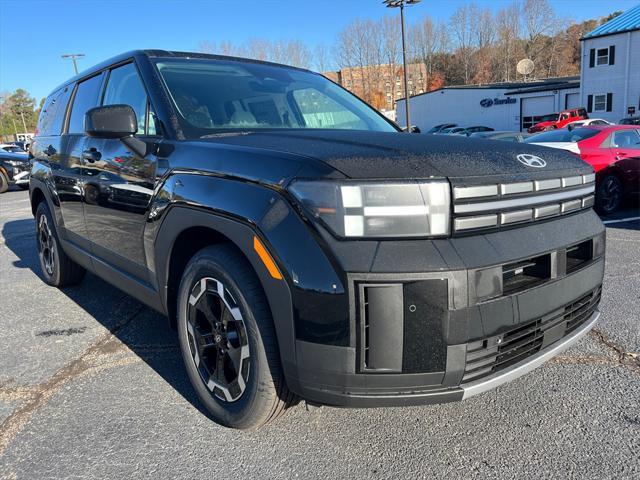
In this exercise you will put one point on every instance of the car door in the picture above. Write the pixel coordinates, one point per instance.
(625, 149)
(64, 157)
(119, 183)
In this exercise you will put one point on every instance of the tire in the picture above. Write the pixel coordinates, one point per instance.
(249, 329)
(57, 268)
(609, 195)
(4, 183)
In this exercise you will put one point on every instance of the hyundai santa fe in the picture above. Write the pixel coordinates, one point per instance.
(301, 244)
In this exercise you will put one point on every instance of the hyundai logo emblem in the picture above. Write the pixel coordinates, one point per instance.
(531, 160)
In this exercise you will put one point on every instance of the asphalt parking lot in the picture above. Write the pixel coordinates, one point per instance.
(92, 386)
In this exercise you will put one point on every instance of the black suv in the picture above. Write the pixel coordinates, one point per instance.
(302, 245)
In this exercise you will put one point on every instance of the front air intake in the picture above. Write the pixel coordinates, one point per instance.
(381, 327)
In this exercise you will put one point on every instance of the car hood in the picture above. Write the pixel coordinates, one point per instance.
(376, 155)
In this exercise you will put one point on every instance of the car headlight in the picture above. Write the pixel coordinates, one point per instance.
(377, 209)
(17, 163)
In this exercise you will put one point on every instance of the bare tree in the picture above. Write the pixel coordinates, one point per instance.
(508, 33)
(428, 42)
(322, 58)
(462, 25)
(540, 22)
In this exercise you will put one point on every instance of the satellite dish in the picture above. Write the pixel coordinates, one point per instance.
(525, 67)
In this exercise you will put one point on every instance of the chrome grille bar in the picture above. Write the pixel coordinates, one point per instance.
(522, 201)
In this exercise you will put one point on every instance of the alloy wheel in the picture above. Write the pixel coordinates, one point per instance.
(46, 245)
(217, 338)
(610, 194)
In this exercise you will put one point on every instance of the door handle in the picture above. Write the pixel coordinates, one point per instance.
(91, 155)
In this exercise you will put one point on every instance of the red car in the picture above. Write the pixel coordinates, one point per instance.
(612, 150)
(559, 120)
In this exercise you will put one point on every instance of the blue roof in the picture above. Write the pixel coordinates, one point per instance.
(626, 22)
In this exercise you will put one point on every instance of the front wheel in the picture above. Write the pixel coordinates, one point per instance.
(228, 340)
(609, 195)
(58, 269)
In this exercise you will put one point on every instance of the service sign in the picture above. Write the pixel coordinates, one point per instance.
(490, 102)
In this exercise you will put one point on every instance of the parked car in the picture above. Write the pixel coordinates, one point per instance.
(476, 129)
(442, 126)
(501, 135)
(559, 120)
(614, 153)
(11, 148)
(23, 145)
(302, 245)
(588, 121)
(450, 131)
(466, 131)
(630, 121)
(14, 170)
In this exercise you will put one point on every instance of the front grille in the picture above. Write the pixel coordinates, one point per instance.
(482, 207)
(490, 355)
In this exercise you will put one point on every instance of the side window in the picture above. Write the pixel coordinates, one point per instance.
(52, 113)
(86, 98)
(626, 139)
(125, 87)
(151, 123)
(318, 111)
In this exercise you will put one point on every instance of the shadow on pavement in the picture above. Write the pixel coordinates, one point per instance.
(143, 330)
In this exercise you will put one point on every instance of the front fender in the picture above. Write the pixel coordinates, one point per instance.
(239, 210)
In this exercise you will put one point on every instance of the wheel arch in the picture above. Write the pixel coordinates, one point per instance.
(37, 196)
(186, 230)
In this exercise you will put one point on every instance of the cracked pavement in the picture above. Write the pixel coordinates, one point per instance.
(92, 386)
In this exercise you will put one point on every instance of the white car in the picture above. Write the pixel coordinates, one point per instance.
(11, 148)
(588, 121)
(563, 138)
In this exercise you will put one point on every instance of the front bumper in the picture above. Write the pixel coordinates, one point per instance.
(435, 335)
(517, 370)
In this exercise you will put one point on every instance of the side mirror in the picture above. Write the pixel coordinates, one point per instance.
(413, 129)
(117, 122)
(111, 121)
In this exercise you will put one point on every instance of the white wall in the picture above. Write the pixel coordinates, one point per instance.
(621, 79)
(461, 106)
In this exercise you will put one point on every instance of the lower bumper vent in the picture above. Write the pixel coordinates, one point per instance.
(487, 356)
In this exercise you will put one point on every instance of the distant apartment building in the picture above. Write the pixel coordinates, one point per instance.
(381, 85)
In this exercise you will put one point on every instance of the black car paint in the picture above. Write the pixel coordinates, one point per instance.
(235, 185)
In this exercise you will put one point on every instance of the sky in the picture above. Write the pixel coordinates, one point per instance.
(34, 33)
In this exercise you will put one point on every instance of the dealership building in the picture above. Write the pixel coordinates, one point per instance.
(502, 106)
(608, 86)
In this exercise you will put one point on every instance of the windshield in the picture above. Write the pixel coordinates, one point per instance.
(563, 135)
(217, 96)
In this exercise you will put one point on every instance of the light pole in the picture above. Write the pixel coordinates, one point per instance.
(401, 4)
(73, 57)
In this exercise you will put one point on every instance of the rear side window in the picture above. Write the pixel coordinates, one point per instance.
(125, 87)
(52, 113)
(626, 139)
(563, 135)
(85, 99)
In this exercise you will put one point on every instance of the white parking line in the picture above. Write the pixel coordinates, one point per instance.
(629, 219)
